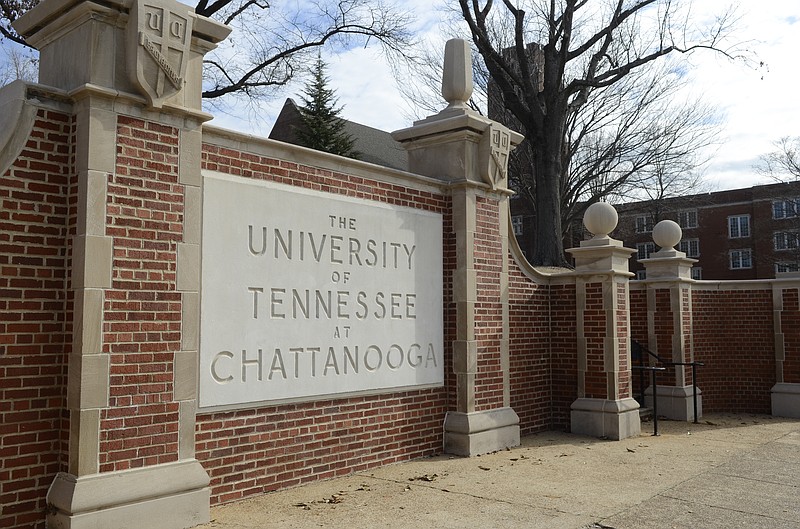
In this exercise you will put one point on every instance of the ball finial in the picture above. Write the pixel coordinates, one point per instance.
(600, 219)
(667, 234)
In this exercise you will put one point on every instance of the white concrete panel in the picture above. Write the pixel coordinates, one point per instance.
(307, 294)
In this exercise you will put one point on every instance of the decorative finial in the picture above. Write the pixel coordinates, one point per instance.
(667, 234)
(457, 73)
(600, 219)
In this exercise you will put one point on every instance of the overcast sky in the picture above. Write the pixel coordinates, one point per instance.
(760, 104)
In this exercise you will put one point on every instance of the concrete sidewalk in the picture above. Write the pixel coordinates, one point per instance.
(728, 471)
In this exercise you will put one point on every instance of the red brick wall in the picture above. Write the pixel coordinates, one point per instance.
(529, 351)
(251, 451)
(594, 331)
(563, 352)
(35, 328)
(142, 312)
(734, 337)
(638, 314)
(488, 309)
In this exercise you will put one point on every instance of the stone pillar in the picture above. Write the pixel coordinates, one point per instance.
(786, 301)
(669, 323)
(604, 407)
(471, 153)
(132, 73)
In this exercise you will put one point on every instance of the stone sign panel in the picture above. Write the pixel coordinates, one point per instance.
(306, 294)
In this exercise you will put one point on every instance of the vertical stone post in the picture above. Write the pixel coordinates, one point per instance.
(132, 72)
(604, 407)
(785, 393)
(669, 323)
(471, 153)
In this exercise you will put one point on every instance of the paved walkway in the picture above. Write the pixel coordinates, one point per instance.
(729, 471)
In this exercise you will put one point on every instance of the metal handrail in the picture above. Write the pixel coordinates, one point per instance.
(653, 370)
(694, 365)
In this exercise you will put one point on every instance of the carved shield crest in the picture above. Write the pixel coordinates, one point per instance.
(159, 35)
(494, 150)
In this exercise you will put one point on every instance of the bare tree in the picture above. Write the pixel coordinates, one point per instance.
(16, 62)
(590, 51)
(271, 43)
(783, 166)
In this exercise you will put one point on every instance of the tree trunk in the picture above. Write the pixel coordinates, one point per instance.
(548, 246)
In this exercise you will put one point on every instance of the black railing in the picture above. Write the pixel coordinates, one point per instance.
(653, 370)
(637, 351)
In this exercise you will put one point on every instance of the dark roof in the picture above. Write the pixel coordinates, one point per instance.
(374, 145)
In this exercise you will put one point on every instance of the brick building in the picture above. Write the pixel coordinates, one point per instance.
(735, 234)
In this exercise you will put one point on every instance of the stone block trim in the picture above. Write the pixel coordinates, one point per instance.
(790, 330)
(142, 311)
(35, 328)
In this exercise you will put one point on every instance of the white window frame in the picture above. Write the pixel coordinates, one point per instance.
(517, 224)
(741, 259)
(644, 249)
(785, 209)
(691, 247)
(786, 267)
(697, 273)
(641, 275)
(786, 240)
(738, 226)
(687, 219)
(644, 224)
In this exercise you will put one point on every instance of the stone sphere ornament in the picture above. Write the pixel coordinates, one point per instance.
(600, 219)
(667, 234)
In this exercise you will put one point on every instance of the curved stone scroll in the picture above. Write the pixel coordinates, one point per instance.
(18, 117)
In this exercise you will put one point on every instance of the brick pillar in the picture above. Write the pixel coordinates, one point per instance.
(132, 73)
(786, 303)
(471, 153)
(604, 407)
(669, 324)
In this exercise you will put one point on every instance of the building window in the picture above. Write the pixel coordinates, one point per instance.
(739, 226)
(644, 249)
(641, 275)
(784, 209)
(786, 267)
(687, 219)
(740, 259)
(691, 247)
(516, 223)
(644, 224)
(786, 240)
(697, 273)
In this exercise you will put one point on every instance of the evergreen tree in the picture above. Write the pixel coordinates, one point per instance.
(321, 127)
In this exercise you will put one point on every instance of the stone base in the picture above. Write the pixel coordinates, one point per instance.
(481, 432)
(171, 496)
(607, 419)
(786, 400)
(675, 402)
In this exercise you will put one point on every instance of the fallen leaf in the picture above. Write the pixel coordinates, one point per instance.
(484, 468)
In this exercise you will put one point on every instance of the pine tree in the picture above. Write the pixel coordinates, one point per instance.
(321, 127)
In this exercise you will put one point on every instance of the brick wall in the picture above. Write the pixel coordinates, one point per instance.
(563, 352)
(529, 351)
(488, 309)
(35, 325)
(142, 312)
(252, 451)
(734, 337)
